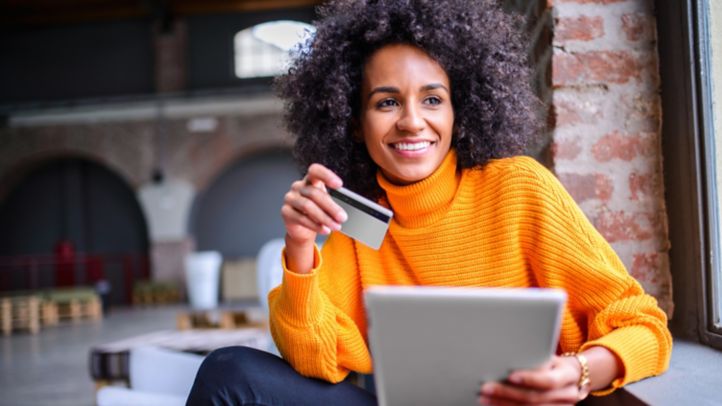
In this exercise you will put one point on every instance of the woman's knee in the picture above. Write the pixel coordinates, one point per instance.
(227, 376)
(229, 364)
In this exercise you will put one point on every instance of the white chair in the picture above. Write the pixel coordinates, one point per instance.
(158, 377)
(269, 270)
(269, 274)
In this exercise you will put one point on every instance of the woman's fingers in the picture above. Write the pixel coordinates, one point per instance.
(323, 200)
(294, 217)
(308, 207)
(560, 371)
(500, 393)
(307, 213)
(318, 175)
(553, 383)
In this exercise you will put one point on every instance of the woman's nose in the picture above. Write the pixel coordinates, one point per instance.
(411, 120)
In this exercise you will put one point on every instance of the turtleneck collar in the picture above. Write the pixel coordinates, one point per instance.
(424, 202)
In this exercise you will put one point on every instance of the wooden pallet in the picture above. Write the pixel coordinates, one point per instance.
(49, 313)
(218, 319)
(20, 313)
(6, 318)
(155, 293)
(73, 304)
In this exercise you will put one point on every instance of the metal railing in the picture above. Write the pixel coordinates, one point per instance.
(37, 272)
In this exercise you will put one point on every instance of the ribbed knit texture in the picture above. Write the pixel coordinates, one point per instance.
(510, 224)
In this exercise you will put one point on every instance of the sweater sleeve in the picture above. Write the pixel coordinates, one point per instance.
(318, 322)
(605, 303)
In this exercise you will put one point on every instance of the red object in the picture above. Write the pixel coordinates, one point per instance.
(64, 263)
(94, 269)
(128, 274)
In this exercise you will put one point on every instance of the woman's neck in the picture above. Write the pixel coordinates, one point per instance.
(423, 202)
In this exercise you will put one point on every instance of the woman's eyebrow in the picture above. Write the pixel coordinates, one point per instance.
(391, 89)
(432, 86)
(384, 89)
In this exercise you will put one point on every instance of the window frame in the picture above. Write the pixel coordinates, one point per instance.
(212, 69)
(686, 141)
(236, 47)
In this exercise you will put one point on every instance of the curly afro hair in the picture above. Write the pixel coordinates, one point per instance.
(479, 46)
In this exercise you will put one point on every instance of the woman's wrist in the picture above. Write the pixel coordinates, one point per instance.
(580, 362)
(603, 367)
(299, 255)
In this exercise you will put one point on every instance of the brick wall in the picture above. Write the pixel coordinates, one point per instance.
(606, 112)
(130, 148)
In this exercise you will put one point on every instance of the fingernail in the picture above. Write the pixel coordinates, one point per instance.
(342, 216)
(325, 230)
(487, 389)
(514, 379)
(336, 226)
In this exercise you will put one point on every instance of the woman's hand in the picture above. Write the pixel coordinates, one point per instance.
(308, 210)
(554, 383)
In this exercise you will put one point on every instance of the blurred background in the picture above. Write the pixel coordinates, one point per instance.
(138, 131)
(143, 162)
(133, 134)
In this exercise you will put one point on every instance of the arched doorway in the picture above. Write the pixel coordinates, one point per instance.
(76, 207)
(240, 210)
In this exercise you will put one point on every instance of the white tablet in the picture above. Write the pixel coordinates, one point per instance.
(435, 346)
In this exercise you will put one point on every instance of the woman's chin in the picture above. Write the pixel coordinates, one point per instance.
(403, 178)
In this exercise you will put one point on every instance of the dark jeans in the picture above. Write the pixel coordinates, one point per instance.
(245, 376)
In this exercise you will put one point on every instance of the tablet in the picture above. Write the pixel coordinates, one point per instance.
(435, 346)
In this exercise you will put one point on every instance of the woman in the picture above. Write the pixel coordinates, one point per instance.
(424, 106)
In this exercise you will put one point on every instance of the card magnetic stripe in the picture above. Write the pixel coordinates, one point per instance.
(356, 204)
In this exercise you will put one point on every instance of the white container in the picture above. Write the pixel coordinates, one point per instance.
(203, 278)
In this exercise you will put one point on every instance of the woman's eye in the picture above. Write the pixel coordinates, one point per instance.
(433, 100)
(386, 103)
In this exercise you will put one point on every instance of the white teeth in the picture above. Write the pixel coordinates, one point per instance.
(416, 146)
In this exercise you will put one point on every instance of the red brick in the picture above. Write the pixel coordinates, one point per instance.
(604, 187)
(645, 267)
(622, 226)
(582, 28)
(596, 67)
(566, 149)
(567, 112)
(623, 146)
(638, 26)
(642, 185)
(643, 111)
(585, 187)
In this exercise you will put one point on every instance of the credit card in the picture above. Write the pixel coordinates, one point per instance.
(367, 221)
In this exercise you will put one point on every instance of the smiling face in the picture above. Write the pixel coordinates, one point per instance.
(406, 113)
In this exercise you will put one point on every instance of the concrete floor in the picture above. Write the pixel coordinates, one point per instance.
(51, 367)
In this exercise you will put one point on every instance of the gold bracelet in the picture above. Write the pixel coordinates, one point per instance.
(584, 380)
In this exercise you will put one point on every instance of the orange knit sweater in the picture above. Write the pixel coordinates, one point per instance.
(510, 224)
